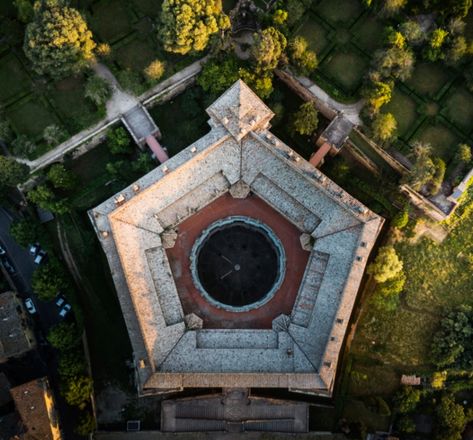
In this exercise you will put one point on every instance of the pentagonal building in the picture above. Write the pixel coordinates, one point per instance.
(236, 262)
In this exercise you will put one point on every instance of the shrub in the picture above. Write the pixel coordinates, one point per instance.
(401, 219)
(64, 337)
(48, 280)
(407, 399)
(118, 141)
(24, 231)
(61, 178)
(306, 119)
(78, 390)
(22, 146)
(154, 71)
(386, 265)
(97, 90)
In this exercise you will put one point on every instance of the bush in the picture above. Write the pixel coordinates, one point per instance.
(22, 146)
(71, 363)
(54, 135)
(78, 390)
(48, 280)
(64, 337)
(118, 141)
(131, 81)
(306, 119)
(61, 178)
(97, 90)
(155, 71)
(24, 231)
(386, 265)
(407, 399)
(401, 219)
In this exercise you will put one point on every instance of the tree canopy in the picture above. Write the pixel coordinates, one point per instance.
(304, 60)
(64, 336)
(386, 265)
(268, 47)
(24, 231)
(61, 178)
(218, 74)
(384, 126)
(58, 41)
(12, 172)
(187, 25)
(48, 280)
(97, 90)
(118, 141)
(306, 119)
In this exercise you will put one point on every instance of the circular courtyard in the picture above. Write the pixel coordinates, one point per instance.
(238, 263)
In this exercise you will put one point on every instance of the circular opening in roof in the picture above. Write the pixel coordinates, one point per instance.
(238, 263)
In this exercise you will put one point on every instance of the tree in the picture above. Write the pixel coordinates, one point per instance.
(58, 41)
(262, 85)
(44, 197)
(280, 17)
(392, 7)
(97, 90)
(406, 425)
(155, 71)
(377, 94)
(424, 167)
(386, 265)
(143, 164)
(86, 425)
(384, 126)
(386, 295)
(407, 399)
(25, 10)
(437, 381)
(54, 135)
(395, 38)
(412, 32)
(61, 178)
(457, 50)
(71, 362)
(463, 153)
(433, 51)
(439, 174)
(268, 47)
(451, 419)
(65, 337)
(22, 146)
(48, 280)
(12, 172)
(304, 60)
(5, 130)
(187, 25)
(401, 219)
(395, 61)
(120, 170)
(451, 345)
(218, 74)
(78, 390)
(306, 119)
(24, 231)
(118, 141)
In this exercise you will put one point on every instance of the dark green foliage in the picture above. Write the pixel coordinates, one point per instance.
(386, 295)
(54, 135)
(49, 279)
(118, 141)
(64, 337)
(61, 178)
(71, 363)
(143, 164)
(306, 119)
(451, 346)
(131, 81)
(25, 10)
(218, 74)
(24, 231)
(451, 419)
(406, 425)
(45, 198)
(22, 146)
(407, 399)
(97, 90)
(12, 172)
(86, 424)
(304, 60)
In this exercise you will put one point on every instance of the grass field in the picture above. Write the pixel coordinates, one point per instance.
(399, 342)
(31, 116)
(111, 19)
(403, 107)
(428, 78)
(369, 34)
(339, 12)
(346, 68)
(13, 78)
(458, 108)
(443, 141)
(315, 33)
(136, 55)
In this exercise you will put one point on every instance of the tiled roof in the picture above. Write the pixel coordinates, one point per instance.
(301, 351)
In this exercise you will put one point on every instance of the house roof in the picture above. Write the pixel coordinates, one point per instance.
(34, 402)
(300, 351)
(15, 336)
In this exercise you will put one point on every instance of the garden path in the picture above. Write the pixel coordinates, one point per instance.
(350, 111)
(120, 101)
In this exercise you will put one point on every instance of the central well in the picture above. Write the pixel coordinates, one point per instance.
(238, 263)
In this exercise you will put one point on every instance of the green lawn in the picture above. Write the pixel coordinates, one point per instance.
(438, 280)
(316, 34)
(428, 78)
(369, 34)
(346, 68)
(31, 116)
(111, 19)
(136, 54)
(443, 141)
(458, 108)
(403, 107)
(67, 97)
(13, 78)
(340, 11)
